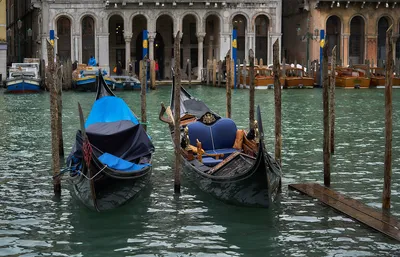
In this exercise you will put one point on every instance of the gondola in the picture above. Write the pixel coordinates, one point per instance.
(217, 160)
(110, 162)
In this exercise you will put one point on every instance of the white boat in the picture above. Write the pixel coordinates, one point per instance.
(23, 78)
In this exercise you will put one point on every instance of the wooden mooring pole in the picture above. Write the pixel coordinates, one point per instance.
(332, 99)
(54, 86)
(190, 72)
(325, 93)
(228, 84)
(251, 94)
(388, 120)
(153, 74)
(177, 114)
(278, 104)
(143, 83)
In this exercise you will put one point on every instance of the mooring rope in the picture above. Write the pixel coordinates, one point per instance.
(105, 166)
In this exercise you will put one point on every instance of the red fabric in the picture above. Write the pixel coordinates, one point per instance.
(156, 68)
(87, 152)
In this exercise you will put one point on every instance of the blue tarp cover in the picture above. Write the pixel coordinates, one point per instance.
(110, 109)
(119, 164)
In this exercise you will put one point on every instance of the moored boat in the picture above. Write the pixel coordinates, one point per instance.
(111, 160)
(351, 78)
(230, 164)
(263, 78)
(86, 81)
(126, 83)
(297, 78)
(378, 76)
(23, 78)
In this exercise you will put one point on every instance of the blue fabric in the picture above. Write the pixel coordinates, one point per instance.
(220, 135)
(211, 162)
(225, 151)
(92, 62)
(224, 133)
(198, 130)
(110, 109)
(120, 164)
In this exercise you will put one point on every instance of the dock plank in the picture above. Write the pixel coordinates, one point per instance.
(371, 217)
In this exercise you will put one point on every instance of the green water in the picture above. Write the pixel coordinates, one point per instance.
(195, 224)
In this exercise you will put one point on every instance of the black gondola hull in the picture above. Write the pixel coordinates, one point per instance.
(110, 189)
(101, 187)
(240, 179)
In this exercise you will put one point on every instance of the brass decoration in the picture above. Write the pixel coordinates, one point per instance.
(208, 118)
(187, 141)
(256, 132)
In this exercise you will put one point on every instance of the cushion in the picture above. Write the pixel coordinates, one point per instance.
(198, 130)
(117, 163)
(239, 139)
(223, 133)
(211, 162)
(225, 151)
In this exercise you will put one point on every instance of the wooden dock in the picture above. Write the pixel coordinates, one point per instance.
(371, 217)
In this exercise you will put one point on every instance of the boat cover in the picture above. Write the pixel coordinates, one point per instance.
(194, 107)
(110, 109)
(119, 164)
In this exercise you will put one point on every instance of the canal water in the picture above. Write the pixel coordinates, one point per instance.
(158, 223)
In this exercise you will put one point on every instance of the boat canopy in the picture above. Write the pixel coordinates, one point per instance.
(110, 109)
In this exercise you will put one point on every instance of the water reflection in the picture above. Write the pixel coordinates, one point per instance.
(159, 224)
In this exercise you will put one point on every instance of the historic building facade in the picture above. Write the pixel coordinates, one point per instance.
(357, 28)
(111, 31)
(23, 30)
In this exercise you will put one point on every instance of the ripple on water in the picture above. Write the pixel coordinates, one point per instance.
(158, 223)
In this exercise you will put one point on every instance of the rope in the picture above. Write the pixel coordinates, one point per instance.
(62, 172)
(105, 166)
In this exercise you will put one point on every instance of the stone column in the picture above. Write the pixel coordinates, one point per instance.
(210, 47)
(246, 46)
(45, 29)
(76, 47)
(151, 37)
(394, 38)
(104, 58)
(225, 45)
(272, 37)
(128, 38)
(200, 39)
(372, 50)
(251, 44)
(345, 49)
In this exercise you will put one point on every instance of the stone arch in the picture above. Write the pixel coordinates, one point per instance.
(357, 39)
(253, 20)
(88, 36)
(384, 15)
(196, 16)
(116, 43)
(88, 13)
(362, 17)
(383, 23)
(217, 14)
(233, 15)
(261, 27)
(140, 22)
(333, 34)
(64, 34)
(165, 35)
(242, 30)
